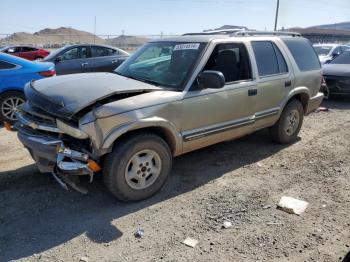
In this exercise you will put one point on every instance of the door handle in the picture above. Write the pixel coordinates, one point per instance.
(84, 64)
(252, 92)
(288, 83)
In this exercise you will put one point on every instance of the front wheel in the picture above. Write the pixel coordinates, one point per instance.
(9, 102)
(287, 128)
(138, 167)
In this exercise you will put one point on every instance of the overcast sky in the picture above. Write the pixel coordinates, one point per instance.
(146, 17)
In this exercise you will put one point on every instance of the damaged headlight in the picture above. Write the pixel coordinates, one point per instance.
(69, 130)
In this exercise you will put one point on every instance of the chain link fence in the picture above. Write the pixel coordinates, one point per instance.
(54, 41)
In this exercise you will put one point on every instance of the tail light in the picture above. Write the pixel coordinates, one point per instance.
(48, 73)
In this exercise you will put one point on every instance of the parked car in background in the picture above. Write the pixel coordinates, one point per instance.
(86, 58)
(27, 52)
(337, 74)
(15, 72)
(172, 96)
(327, 52)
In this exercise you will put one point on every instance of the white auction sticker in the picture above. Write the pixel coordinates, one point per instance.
(194, 46)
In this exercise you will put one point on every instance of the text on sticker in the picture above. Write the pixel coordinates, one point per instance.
(186, 46)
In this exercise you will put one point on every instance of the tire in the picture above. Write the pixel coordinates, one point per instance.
(284, 131)
(39, 58)
(130, 166)
(7, 107)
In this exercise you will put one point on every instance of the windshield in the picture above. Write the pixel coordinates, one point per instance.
(323, 50)
(344, 58)
(53, 54)
(162, 63)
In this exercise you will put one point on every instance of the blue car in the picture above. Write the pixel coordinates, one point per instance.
(15, 72)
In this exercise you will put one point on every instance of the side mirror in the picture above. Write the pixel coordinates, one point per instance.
(211, 79)
(58, 59)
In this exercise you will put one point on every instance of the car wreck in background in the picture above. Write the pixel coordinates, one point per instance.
(172, 96)
(86, 58)
(337, 74)
(327, 52)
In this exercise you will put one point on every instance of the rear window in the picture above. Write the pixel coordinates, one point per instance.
(6, 65)
(269, 59)
(303, 53)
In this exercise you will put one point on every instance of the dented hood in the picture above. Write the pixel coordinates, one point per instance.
(64, 96)
(336, 70)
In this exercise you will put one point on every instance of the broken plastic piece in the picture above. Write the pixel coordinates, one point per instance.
(227, 224)
(292, 205)
(190, 242)
(139, 233)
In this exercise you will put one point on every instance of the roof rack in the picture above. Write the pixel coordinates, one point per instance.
(218, 32)
(268, 33)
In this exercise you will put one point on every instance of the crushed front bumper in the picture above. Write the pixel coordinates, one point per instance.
(52, 156)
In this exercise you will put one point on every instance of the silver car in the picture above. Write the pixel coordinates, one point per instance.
(172, 96)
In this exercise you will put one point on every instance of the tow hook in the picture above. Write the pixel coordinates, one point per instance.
(70, 164)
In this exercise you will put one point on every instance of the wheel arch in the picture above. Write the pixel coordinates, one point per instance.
(302, 94)
(155, 125)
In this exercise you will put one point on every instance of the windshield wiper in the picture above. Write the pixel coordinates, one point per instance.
(143, 80)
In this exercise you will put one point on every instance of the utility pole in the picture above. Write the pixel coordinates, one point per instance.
(276, 18)
(95, 31)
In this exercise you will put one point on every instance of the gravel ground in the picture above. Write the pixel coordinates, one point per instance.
(240, 181)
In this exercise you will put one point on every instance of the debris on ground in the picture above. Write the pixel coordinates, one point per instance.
(266, 206)
(227, 224)
(321, 109)
(139, 233)
(292, 205)
(84, 259)
(190, 242)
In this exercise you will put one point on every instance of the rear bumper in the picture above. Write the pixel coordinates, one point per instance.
(314, 103)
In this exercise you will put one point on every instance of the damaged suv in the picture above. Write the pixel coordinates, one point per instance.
(172, 96)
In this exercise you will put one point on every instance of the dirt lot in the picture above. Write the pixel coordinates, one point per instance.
(235, 180)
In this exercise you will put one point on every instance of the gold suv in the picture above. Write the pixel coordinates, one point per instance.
(172, 96)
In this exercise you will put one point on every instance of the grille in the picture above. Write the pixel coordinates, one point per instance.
(37, 115)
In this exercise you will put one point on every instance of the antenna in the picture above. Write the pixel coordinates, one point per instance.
(276, 18)
(95, 31)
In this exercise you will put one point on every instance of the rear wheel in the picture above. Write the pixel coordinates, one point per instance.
(287, 128)
(9, 102)
(138, 167)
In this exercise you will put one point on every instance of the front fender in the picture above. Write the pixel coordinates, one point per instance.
(155, 122)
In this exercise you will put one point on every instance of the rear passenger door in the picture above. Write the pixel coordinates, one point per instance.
(104, 59)
(274, 81)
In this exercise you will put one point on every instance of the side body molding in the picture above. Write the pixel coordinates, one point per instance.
(169, 130)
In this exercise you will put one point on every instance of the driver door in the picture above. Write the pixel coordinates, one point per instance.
(214, 115)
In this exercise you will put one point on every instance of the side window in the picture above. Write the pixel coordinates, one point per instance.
(84, 53)
(6, 65)
(111, 51)
(71, 54)
(26, 49)
(268, 58)
(231, 60)
(282, 65)
(336, 51)
(303, 53)
(98, 51)
(344, 48)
